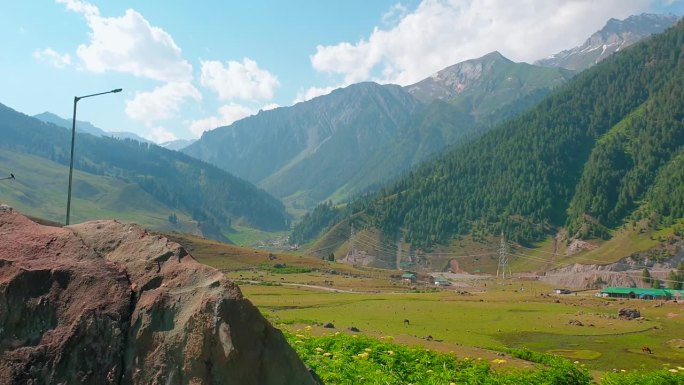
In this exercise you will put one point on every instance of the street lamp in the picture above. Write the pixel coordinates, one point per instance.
(73, 137)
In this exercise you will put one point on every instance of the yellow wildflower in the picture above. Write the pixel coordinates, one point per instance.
(498, 361)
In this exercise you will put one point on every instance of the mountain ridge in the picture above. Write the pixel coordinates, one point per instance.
(87, 127)
(614, 36)
(600, 151)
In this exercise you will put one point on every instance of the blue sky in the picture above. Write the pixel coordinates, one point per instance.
(187, 67)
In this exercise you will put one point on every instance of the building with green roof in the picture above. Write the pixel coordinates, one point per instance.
(642, 293)
(409, 277)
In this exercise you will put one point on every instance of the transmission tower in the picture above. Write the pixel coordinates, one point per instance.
(351, 253)
(503, 259)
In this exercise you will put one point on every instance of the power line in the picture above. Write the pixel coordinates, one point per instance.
(369, 242)
(596, 261)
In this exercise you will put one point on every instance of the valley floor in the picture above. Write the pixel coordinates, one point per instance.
(476, 317)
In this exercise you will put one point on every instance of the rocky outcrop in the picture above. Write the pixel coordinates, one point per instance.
(629, 314)
(109, 303)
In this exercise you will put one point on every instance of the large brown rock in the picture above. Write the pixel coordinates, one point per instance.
(108, 303)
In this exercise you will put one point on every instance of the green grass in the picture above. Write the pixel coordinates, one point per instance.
(247, 236)
(344, 359)
(352, 359)
(492, 315)
(40, 189)
(498, 319)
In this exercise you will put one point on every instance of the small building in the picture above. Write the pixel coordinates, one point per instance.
(408, 277)
(638, 293)
(441, 281)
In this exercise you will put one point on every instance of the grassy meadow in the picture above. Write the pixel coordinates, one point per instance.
(474, 318)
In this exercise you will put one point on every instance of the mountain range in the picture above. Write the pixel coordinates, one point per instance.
(341, 144)
(87, 127)
(353, 141)
(613, 37)
(603, 152)
(357, 138)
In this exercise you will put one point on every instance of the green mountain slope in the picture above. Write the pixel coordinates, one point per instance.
(350, 141)
(626, 161)
(522, 176)
(310, 149)
(169, 180)
(40, 190)
(464, 101)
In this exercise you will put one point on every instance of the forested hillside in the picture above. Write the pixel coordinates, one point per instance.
(589, 153)
(177, 180)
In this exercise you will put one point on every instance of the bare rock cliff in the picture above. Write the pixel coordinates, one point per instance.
(108, 303)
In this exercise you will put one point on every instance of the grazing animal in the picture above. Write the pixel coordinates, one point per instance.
(646, 349)
(406, 322)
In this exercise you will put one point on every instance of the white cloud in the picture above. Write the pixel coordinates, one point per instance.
(129, 44)
(237, 80)
(160, 135)
(439, 33)
(228, 114)
(313, 92)
(161, 103)
(270, 106)
(51, 56)
(81, 7)
(395, 14)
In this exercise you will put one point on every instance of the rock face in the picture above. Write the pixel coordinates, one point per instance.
(616, 35)
(108, 303)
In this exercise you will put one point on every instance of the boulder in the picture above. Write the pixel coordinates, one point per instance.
(628, 314)
(109, 303)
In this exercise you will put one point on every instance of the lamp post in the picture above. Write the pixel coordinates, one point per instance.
(73, 137)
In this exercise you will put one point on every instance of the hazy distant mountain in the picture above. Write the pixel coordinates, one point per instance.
(344, 143)
(87, 127)
(613, 37)
(312, 148)
(177, 144)
(127, 135)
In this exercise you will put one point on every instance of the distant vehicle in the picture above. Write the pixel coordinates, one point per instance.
(562, 291)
